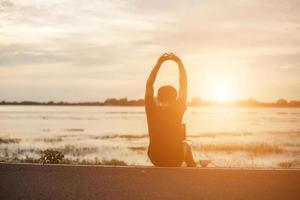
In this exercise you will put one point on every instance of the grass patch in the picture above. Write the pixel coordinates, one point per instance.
(9, 140)
(49, 140)
(114, 162)
(77, 151)
(128, 137)
(137, 148)
(55, 156)
(51, 156)
(289, 164)
(220, 134)
(77, 161)
(28, 150)
(14, 158)
(75, 129)
(66, 150)
(253, 148)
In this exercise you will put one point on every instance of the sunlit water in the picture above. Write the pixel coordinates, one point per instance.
(105, 130)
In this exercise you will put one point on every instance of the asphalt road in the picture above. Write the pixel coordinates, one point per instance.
(28, 181)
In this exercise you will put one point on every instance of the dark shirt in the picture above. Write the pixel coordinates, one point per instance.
(166, 132)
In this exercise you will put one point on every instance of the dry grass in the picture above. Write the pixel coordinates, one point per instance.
(75, 129)
(9, 140)
(49, 140)
(220, 134)
(66, 150)
(113, 162)
(253, 148)
(289, 164)
(23, 157)
(29, 159)
(142, 148)
(289, 144)
(77, 151)
(128, 137)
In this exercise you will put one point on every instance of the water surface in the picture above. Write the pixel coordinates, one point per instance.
(121, 132)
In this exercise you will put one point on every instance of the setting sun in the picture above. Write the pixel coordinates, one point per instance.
(223, 91)
(149, 99)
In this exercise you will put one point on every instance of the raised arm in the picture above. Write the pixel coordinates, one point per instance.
(149, 86)
(182, 82)
(182, 78)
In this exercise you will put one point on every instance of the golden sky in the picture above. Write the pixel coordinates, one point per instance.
(75, 50)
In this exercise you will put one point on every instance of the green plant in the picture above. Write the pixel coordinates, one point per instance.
(51, 156)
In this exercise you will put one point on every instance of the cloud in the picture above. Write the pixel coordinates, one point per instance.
(5, 5)
(19, 55)
(111, 39)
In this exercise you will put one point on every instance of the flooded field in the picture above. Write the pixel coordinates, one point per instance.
(229, 137)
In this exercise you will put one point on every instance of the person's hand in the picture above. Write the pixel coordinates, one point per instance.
(163, 58)
(175, 58)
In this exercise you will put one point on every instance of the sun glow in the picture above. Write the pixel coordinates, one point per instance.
(223, 91)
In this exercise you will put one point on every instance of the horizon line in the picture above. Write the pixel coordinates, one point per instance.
(195, 98)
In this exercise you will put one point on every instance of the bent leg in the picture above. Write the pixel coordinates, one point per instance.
(188, 155)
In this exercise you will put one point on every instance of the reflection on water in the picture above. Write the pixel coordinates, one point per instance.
(220, 134)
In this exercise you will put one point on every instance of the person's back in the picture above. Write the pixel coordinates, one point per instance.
(166, 133)
(164, 117)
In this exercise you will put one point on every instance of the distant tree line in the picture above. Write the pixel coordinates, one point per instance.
(51, 103)
(123, 102)
(107, 102)
(195, 102)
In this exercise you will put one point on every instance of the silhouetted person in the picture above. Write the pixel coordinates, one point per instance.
(164, 117)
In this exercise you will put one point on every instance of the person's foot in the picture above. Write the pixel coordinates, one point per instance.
(191, 164)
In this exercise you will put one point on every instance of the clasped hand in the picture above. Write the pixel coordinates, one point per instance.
(169, 56)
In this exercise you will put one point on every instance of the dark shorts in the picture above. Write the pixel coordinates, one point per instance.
(166, 155)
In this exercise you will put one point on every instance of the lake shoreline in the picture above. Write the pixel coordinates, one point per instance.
(191, 106)
(230, 137)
